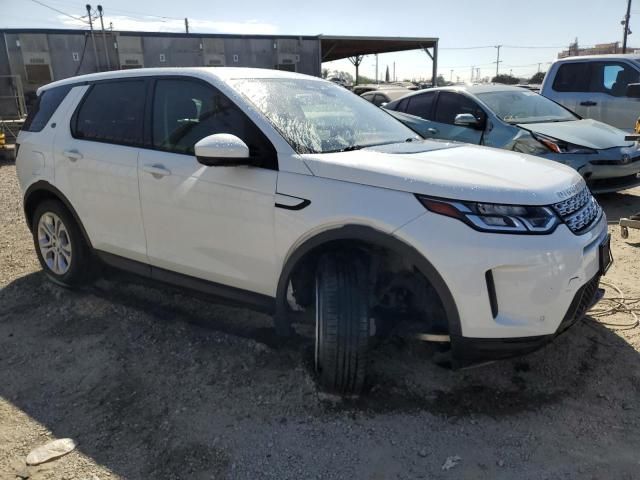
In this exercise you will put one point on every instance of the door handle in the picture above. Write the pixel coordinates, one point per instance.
(72, 155)
(157, 170)
(588, 103)
(432, 131)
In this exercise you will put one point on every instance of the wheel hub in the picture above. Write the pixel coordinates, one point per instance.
(54, 243)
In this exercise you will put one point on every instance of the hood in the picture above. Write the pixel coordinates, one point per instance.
(586, 133)
(454, 171)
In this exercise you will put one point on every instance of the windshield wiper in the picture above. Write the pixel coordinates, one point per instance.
(351, 148)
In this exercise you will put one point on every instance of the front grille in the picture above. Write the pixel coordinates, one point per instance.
(582, 301)
(580, 211)
(616, 162)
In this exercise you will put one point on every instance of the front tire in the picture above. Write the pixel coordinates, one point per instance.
(342, 323)
(62, 250)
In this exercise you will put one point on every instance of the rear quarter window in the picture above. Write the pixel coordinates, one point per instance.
(44, 108)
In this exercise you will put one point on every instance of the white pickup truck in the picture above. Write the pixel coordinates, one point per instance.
(602, 87)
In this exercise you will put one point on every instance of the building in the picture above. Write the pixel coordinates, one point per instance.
(599, 49)
(30, 58)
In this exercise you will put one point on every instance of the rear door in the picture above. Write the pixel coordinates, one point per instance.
(448, 106)
(421, 107)
(96, 156)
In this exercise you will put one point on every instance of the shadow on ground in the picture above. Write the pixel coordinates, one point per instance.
(155, 383)
(619, 205)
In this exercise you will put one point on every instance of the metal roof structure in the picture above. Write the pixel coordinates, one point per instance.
(338, 47)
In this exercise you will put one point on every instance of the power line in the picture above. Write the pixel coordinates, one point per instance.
(59, 11)
(465, 48)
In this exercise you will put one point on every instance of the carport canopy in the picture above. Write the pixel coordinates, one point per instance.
(354, 48)
(338, 47)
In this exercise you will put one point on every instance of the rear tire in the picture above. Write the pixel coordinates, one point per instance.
(342, 323)
(62, 250)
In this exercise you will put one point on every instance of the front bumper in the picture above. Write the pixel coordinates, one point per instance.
(535, 278)
(606, 171)
(472, 351)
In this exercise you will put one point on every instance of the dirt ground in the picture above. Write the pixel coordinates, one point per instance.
(153, 383)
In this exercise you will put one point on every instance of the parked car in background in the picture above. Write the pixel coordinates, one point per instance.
(286, 192)
(597, 87)
(514, 118)
(383, 96)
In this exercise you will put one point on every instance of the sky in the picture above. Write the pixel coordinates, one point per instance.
(548, 25)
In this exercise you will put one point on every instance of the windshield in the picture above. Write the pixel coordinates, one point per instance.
(315, 116)
(525, 107)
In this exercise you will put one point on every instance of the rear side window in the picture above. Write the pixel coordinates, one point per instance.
(44, 107)
(572, 77)
(112, 112)
(421, 105)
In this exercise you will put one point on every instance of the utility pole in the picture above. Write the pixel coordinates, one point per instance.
(498, 59)
(472, 70)
(93, 38)
(451, 76)
(104, 38)
(625, 24)
(394, 72)
(186, 24)
(539, 67)
(377, 69)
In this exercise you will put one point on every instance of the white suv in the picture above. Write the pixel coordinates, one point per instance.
(289, 193)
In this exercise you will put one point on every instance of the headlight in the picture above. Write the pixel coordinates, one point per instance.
(559, 146)
(491, 217)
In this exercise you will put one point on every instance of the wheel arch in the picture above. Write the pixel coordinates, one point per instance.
(367, 235)
(43, 190)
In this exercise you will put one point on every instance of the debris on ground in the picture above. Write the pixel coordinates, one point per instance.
(451, 462)
(51, 451)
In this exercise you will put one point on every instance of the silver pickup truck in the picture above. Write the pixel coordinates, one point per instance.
(598, 87)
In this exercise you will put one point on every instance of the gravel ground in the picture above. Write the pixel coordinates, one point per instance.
(153, 383)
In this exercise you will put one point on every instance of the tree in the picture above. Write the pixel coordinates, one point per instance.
(537, 77)
(386, 75)
(364, 79)
(506, 79)
(325, 72)
(440, 81)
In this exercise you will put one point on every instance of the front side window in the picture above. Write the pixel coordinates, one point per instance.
(612, 78)
(315, 116)
(112, 112)
(186, 111)
(44, 108)
(452, 104)
(525, 107)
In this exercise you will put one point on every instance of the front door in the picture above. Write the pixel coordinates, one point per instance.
(213, 223)
(610, 81)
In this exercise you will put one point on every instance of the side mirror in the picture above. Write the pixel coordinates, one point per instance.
(633, 90)
(467, 120)
(222, 150)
